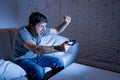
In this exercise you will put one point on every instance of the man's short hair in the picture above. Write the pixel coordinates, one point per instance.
(37, 17)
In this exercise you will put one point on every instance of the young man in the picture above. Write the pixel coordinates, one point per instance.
(27, 52)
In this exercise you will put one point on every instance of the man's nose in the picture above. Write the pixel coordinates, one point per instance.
(43, 28)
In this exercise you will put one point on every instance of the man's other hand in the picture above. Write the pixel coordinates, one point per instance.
(67, 19)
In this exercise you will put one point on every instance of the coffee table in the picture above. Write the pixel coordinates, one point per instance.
(82, 72)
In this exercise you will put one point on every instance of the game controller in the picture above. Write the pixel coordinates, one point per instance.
(71, 42)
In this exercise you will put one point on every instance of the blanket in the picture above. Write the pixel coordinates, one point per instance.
(10, 71)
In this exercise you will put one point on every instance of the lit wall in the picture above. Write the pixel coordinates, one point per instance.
(8, 14)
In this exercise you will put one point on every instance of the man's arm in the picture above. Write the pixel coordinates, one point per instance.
(60, 28)
(38, 49)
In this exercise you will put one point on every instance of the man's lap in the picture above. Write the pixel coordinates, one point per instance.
(40, 60)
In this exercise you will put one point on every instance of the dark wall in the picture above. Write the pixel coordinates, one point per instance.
(95, 24)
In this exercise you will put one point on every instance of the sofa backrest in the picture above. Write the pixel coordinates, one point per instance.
(12, 32)
(5, 45)
(6, 42)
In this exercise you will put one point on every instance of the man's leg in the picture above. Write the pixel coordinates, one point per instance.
(34, 71)
(48, 61)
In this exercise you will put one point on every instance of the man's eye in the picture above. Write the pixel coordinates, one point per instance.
(39, 25)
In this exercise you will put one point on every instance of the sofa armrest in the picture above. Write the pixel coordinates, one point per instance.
(71, 55)
(74, 50)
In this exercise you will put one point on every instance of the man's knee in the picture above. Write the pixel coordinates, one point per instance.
(58, 65)
(36, 74)
(59, 62)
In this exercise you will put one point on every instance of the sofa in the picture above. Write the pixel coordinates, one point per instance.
(6, 44)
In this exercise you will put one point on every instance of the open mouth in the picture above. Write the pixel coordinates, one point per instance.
(42, 32)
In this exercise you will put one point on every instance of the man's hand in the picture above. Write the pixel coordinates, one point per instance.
(61, 47)
(60, 28)
(67, 19)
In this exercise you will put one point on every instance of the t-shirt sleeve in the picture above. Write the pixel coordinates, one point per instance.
(24, 35)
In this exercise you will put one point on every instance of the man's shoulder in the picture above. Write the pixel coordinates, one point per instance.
(24, 34)
(23, 31)
(23, 28)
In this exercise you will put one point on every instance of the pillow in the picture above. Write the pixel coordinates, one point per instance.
(10, 70)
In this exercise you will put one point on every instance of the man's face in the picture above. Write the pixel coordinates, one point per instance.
(40, 28)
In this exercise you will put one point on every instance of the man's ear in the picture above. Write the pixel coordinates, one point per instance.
(31, 26)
